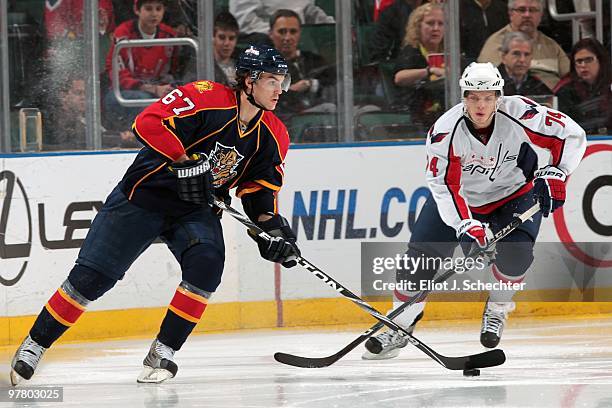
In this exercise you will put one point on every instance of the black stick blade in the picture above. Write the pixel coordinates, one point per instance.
(304, 362)
(489, 358)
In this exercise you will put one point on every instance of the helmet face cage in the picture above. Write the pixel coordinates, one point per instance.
(255, 75)
(258, 59)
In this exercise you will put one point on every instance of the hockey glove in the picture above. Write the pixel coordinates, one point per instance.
(282, 248)
(549, 189)
(473, 234)
(195, 181)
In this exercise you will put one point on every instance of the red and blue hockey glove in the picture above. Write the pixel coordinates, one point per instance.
(473, 234)
(194, 180)
(549, 189)
(282, 248)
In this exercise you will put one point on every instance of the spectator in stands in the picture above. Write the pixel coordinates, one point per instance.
(64, 116)
(549, 61)
(516, 50)
(480, 19)
(254, 15)
(144, 72)
(182, 15)
(311, 76)
(584, 94)
(391, 17)
(225, 36)
(419, 69)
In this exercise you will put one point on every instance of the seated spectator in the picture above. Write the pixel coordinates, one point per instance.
(254, 16)
(549, 61)
(480, 19)
(311, 76)
(145, 72)
(64, 116)
(420, 69)
(225, 36)
(516, 50)
(584, 94)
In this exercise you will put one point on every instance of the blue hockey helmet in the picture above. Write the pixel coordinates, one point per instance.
(262, 58)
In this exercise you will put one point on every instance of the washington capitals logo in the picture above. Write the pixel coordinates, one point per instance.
(52, 4)
(531, 112)
(438, 137)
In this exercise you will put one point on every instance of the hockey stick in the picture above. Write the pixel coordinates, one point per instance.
(318, 362)
(482, 360)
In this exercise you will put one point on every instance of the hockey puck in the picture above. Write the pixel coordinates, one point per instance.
(474, 372)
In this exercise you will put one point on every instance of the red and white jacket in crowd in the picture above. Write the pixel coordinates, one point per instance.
(138, 65)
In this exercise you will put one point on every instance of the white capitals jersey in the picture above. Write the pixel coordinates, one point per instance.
(466, 175)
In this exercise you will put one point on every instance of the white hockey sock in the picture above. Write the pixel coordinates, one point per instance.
(501, 296)
(406, 318)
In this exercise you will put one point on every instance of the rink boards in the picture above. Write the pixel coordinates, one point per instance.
(335, 197)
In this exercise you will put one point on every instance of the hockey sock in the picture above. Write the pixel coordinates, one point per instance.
(504, 295)
(184, 312)
(408, 316)
(61, 311)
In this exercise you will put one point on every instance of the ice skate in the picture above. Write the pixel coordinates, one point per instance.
(158, 364)
(25, 361)
(388, 344)
(493, 320)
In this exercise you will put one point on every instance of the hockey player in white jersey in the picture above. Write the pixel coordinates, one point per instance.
(482, 171)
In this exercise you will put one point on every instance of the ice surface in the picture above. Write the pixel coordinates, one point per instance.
(551, 363)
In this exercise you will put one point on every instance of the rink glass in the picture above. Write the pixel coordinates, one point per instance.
(359, 105)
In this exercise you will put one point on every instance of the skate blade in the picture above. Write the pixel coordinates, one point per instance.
(380, 356)
(154, 375)
(15, 378)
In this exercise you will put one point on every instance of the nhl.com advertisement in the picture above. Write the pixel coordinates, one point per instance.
(335, 199)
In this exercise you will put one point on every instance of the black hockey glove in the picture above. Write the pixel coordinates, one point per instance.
(195, 181)
(282, 248)
(549, 189)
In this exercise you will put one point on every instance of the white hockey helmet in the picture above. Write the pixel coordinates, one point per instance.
(481, 77)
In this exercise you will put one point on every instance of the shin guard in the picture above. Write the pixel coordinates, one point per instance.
(184, 312)
(61, 311)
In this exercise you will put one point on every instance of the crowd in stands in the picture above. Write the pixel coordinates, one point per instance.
(400, 64)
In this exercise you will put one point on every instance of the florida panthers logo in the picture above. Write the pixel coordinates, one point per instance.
(224, 160)
(203, 86)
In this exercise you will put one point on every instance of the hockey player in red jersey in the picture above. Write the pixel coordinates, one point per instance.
(481, 171)
(200, 140)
